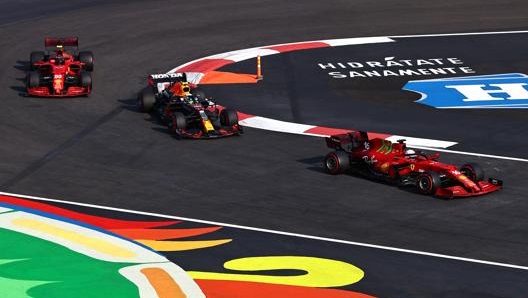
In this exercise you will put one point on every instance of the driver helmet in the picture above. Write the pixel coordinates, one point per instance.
(181, 89)
(59, 60)
(410, 152)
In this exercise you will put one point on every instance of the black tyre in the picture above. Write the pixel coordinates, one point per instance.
(428, 182)
(86, 79)
(177, 123)
(337, 162)
(146, 100)
(32, 79)
(228, 117)
(198, 92)
(87, 58)
(35, 57)
(473, 171)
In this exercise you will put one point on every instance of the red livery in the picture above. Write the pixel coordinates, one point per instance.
(61, 70)
(397, 164)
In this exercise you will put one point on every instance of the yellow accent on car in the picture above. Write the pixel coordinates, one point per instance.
(208, 125)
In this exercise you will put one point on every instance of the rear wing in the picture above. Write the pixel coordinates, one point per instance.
(162, 80)
(347, 141)
(61, 41)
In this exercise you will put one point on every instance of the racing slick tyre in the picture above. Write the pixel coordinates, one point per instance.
(228, 117)
(35, 57)
(337, 162)
(198, 92)
(86, 79)
(177, 123)
(87, 58)
(32, 79)
(146, 100)
(428, 182)
(473, 171)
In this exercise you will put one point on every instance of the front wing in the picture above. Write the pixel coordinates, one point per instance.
(69, 92)
(460, 192)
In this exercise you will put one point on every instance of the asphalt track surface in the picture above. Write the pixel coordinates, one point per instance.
(100, 150)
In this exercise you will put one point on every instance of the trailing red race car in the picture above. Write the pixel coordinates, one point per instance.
(61, 70)
(185, 110)
(395, 163)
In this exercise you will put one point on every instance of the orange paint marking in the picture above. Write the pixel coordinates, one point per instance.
(163, 283)
(181, 245)
(162, 234)
(221, 77)
(241, 289)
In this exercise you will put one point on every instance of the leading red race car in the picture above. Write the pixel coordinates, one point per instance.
(397, 164)
(61, 70)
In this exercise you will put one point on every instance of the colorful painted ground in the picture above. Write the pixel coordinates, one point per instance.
(51, 249)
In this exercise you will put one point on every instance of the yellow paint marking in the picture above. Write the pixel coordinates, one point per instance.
(163, 283)
(181, 245)
(89, 242)
(316, 272)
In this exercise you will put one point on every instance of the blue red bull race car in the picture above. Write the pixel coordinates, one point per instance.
(395, 163)
(185, 109)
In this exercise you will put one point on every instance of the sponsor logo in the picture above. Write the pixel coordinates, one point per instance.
(489, 91)
(396, 67)
(167, 75)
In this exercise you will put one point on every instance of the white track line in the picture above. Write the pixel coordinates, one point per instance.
(460, 34)
(388, 248)
(473, 154)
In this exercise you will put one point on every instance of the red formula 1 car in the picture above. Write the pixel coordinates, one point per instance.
(185, 109)
(394, 163)
(61, 70)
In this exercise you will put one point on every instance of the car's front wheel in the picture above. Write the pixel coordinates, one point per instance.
(473, 171)
(32, 79)
(228, 117)
(86, 79)
(177, 123)
(428, 183)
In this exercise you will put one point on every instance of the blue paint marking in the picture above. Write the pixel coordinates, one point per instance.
(490, 91)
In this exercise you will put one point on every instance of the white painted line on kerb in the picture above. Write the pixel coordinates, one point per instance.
(388, 248)
(460, 34)
(472, 154)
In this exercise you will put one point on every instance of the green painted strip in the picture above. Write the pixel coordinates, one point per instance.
(36, 268)
(390, 149)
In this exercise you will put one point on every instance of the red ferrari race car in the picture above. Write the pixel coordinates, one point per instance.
(61, 70)
(395, 163)
(185, 109)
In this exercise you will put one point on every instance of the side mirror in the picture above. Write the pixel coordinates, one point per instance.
(434, 156)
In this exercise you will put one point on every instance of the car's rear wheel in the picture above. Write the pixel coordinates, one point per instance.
(428, 183)
(337, 162)
(228, 117)
(473, 171)
(35, 57)
(87, 58)
(32, 79)
(146, 100)
(177, 123)
(86, 79)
